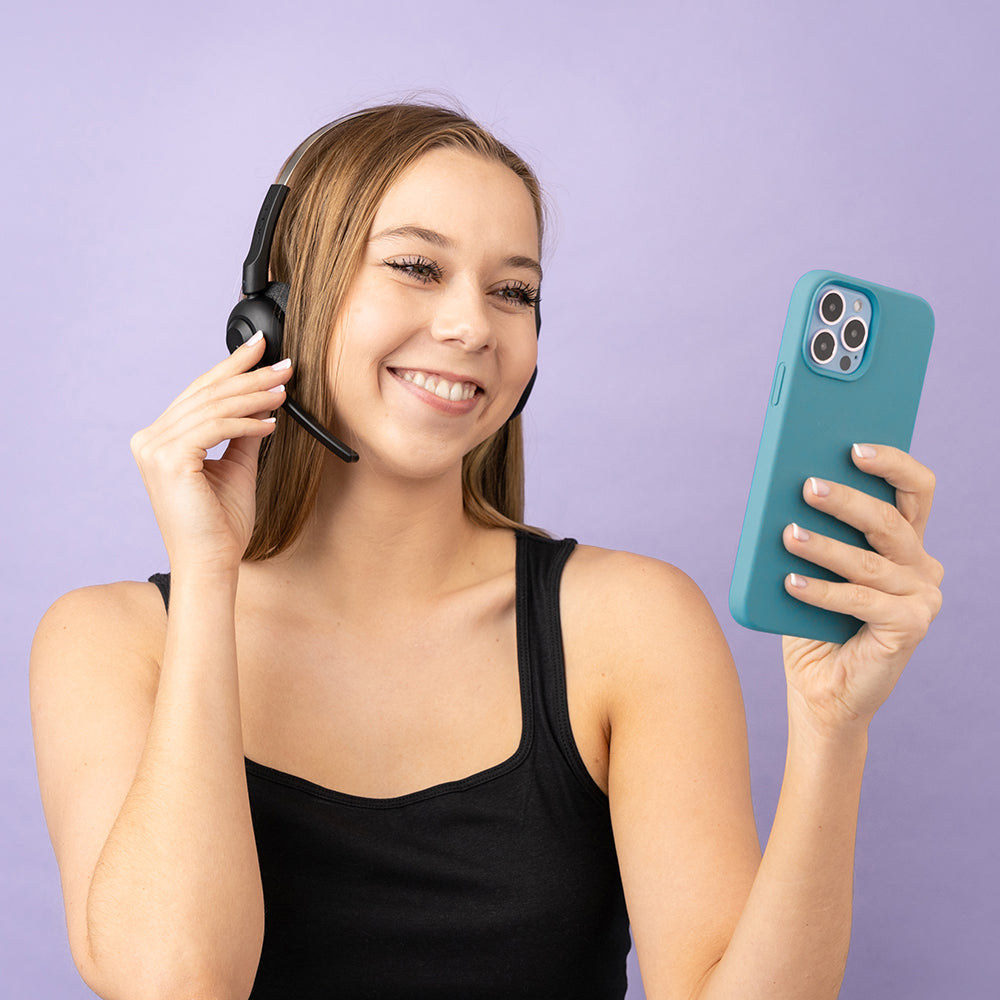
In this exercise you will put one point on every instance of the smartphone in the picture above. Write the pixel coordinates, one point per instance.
(850, 369)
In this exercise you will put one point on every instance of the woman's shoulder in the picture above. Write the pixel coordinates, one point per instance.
(629, 615)
(101, 624)
(629, 583)
(127, 605)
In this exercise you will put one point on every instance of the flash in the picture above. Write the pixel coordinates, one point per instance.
(857, 305)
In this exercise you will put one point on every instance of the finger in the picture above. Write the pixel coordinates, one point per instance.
(229, 399)
(856, 565)
(188, 449)
(244, 450)
(882, 524)
(212, 421)
(907, 618)
(914, 482)
(203, 421)
(242, 359)
(270, 379)
(864, 603)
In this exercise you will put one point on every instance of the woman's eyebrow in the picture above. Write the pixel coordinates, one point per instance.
(417, 232)
(440, 240)
(528, 263)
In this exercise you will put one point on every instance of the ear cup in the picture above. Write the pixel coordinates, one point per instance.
(534, 374)
(264, 311)
(524, 395)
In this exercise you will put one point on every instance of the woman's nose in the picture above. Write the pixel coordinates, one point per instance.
(462, 316)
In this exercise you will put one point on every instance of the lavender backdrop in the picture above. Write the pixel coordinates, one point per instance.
(698, 158)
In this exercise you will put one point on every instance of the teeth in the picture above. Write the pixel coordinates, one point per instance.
(441, 387)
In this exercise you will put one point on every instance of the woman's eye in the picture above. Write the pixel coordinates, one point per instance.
(423, 269)
(519, 294)
(420, 268)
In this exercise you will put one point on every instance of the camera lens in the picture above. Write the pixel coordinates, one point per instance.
(823, 346)
(831, 306)
(854, 334)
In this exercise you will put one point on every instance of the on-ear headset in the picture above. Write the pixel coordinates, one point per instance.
(264, 302)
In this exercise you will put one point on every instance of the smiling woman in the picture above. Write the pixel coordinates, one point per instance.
(385, 740)
(330, 231)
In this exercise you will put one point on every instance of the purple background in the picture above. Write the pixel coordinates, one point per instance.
(698, 158)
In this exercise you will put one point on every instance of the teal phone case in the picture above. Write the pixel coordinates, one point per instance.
(812, 421)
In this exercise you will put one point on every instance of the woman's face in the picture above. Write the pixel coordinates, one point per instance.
(436, 341)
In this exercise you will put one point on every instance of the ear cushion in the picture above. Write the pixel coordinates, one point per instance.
(277, 292)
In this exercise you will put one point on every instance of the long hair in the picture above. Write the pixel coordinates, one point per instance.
(321, 236)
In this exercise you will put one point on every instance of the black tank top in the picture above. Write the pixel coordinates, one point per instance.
(501, 885)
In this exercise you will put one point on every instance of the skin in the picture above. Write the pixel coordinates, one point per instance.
(390, 626)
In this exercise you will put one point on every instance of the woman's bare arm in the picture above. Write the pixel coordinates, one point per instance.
(137, 721)
(141, 769)
(708, 925)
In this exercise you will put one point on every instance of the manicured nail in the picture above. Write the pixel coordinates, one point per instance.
(276, 388)
(254, 339)
(800, 534)
(819, 487)
(864, 451)
(268, 420)
(282, 365)
(796, 581)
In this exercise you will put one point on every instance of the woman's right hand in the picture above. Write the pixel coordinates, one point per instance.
(205, 507)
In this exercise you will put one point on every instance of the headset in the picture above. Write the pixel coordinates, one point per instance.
(264, 302)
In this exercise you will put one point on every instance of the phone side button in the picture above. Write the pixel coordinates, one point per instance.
(779, 378)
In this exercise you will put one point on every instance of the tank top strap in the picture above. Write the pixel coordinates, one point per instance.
(540, 563)
(162, 581)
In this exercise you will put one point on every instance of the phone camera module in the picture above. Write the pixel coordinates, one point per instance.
(823, 347)
(831, 306)
(836, 341)
(854, 334)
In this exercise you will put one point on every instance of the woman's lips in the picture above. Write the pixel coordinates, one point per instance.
(451, 394)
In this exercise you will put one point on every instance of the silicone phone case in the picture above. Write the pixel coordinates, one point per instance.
(812, 421)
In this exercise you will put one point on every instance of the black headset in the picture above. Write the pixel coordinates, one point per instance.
(264, 302)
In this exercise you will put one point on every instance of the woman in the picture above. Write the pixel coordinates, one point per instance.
(388, 742)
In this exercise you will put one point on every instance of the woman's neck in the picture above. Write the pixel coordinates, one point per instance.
(374, 538)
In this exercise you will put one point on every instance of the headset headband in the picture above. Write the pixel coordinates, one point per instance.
(255, 267)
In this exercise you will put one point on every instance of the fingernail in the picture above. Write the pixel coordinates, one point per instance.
(800, 534)
(276, 388)
(282, 365)
(796, 581)
(864, 451)
(254, 339)
(819, 487)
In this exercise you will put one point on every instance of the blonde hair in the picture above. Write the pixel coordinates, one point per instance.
(322, 232)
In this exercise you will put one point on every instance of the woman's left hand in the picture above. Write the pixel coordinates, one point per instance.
(894, 590)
